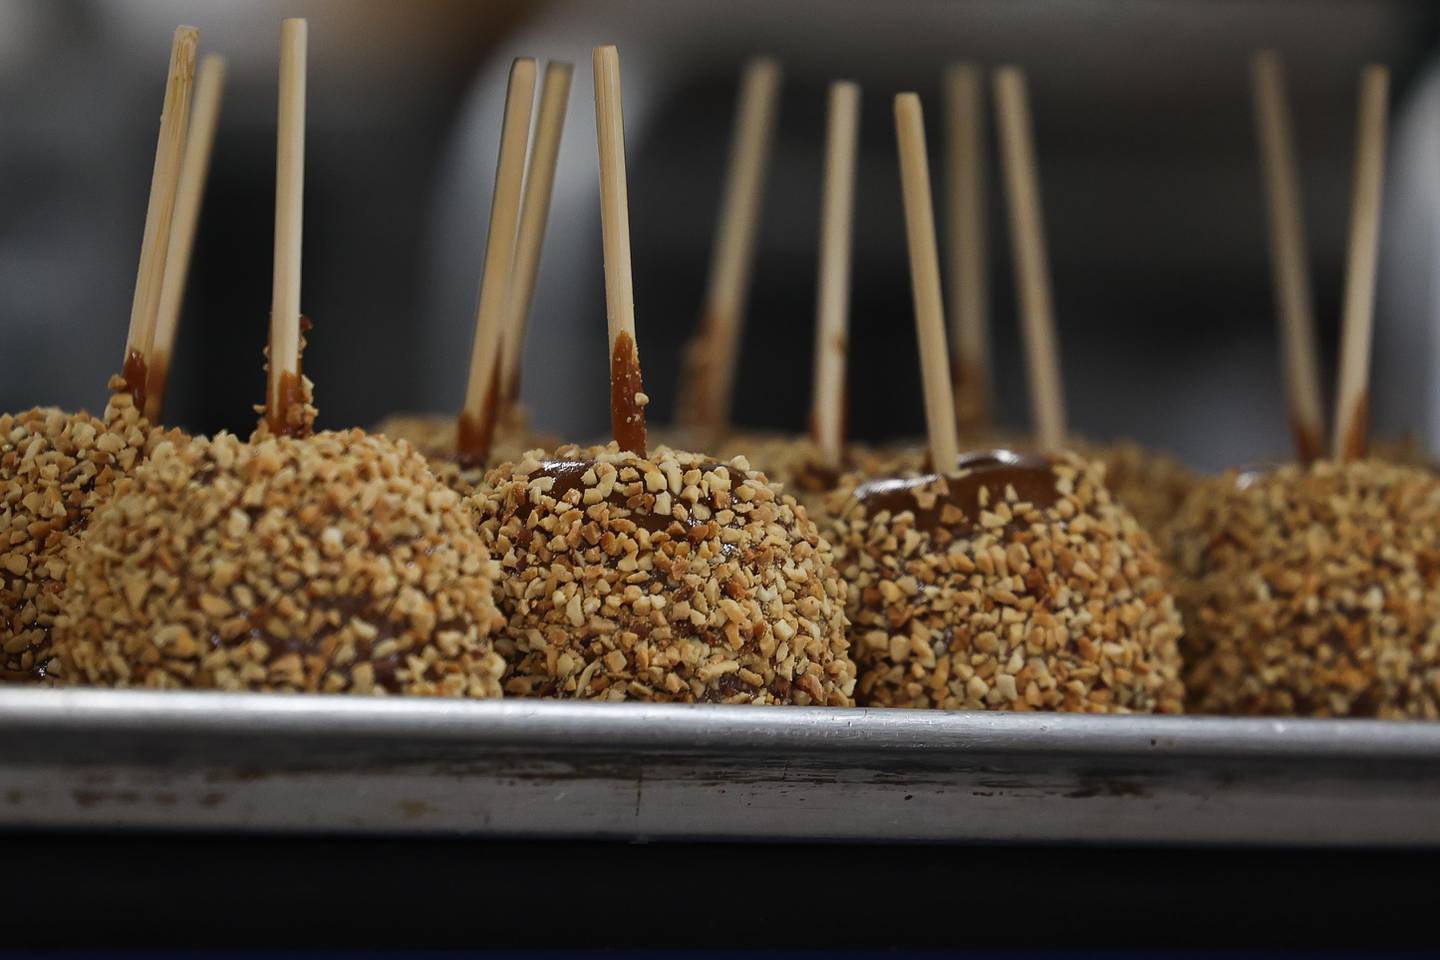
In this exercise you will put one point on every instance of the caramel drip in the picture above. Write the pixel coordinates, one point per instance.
(1309, 446)
(475, 435)
(133, 372)
(291, 401)
(1357, 439)
(1032, 479)
(288, 415)
(972, 401)
(155, 388)
(697, 383)
(627, 413)
(512, 395)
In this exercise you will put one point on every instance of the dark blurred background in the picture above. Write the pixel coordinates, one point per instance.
(1144, 131)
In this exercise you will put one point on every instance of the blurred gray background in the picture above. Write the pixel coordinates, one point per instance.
(1144, 131)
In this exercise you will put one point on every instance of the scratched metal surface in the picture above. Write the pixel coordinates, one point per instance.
(257, 762)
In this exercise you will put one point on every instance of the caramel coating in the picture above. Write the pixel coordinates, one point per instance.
(668, 578)
(55, 469)
(1021, 606)
(1313, 590)
(333, 563)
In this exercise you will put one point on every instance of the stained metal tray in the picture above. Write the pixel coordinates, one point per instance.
(332, 764)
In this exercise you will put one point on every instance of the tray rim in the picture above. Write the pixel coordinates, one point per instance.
(554, 725)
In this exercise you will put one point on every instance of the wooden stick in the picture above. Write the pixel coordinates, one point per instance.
(1294, 310)
(832, 300)
(164, 180)
(284, 386)
(534, 212)
(711, 379)
(209, 83)
(627, 395)
(1032, 273)
(925, 282)
(477, 418)
(1352, 397)
(969, 287)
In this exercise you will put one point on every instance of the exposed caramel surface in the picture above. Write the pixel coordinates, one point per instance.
(1051, 602)
(673, 578)
(1149, 483)
(55, 469)
(1313, 589)
(956, 504)
(334, 563)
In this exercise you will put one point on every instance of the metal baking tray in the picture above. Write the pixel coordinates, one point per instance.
(111, 759)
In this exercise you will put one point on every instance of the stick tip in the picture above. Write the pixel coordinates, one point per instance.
(522, 69)
(604, 54)
(962, 71)
(187, 40)
(763, 67)
(1009, 81)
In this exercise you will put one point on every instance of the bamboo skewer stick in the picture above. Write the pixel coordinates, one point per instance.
(1352, 396)
(833, 295)
(534, 212)
(477, 419)
(925, 282)
(627, 395)
(713, 353)
(969, 286)
(1295, 312)
(285, 384)
(209, 84)
(164, 177)
(1032, 271)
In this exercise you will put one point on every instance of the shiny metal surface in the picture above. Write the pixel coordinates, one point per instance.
(251, 762)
